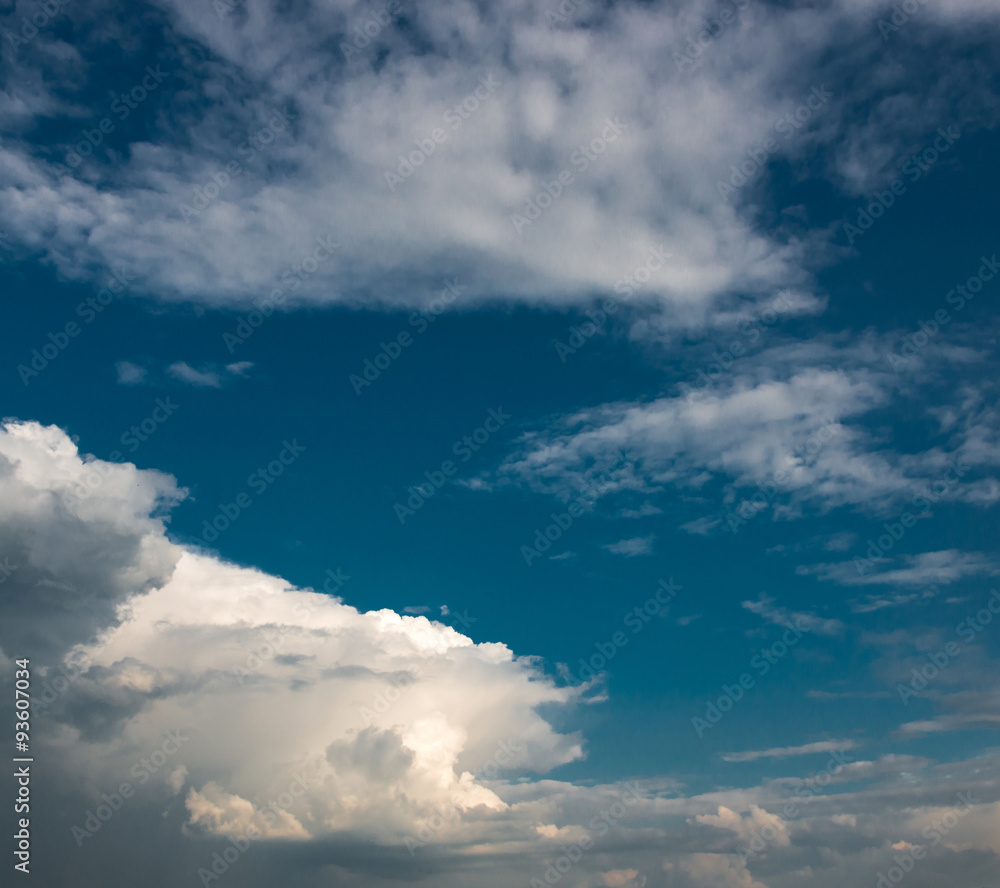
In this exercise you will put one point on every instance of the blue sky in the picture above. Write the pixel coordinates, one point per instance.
(772, 391)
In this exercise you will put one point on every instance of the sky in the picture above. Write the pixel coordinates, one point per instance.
(500, 444)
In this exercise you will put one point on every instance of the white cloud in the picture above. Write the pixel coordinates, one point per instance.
(764, 607)
(383, 715)
(200, 379)
(632, 547)
(926, 568)
(344, 123)
(129, 373)
(786, 751)
(209, 377)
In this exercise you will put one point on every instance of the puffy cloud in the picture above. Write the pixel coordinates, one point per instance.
(379, 717)
(317, 131)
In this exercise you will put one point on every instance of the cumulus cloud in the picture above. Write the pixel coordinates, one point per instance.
(382, 716)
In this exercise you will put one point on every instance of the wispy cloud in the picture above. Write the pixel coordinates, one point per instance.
(633, 547)
(764, 607)
(787, 751)
(208, 378)
(129, 373)
(939, 568)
